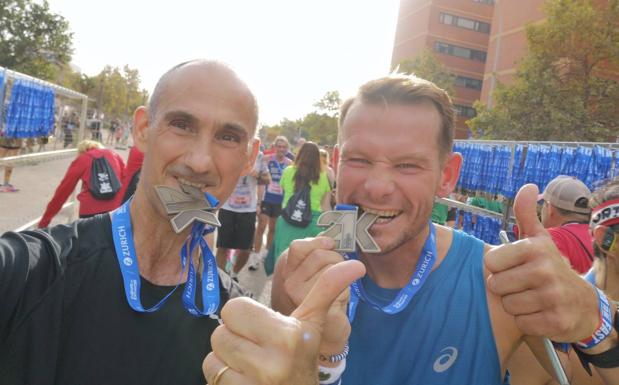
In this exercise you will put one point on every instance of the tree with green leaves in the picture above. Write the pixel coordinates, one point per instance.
(321, 126)
(33, 40)
(563, 89)
(286, 127)
(117, 92)
(329, 104)
(427, 66)
(318, 126)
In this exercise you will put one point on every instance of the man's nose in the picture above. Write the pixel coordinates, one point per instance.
(200, 156)
(379, 183)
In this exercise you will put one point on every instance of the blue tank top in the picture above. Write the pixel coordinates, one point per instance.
(443, 337)
(273, 192)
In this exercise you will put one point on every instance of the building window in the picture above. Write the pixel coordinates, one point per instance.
(489, 2)
(464, 22)
(463, 81)
(454, 50)
(465, 111)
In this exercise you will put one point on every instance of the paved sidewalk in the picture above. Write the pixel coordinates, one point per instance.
(36, 184)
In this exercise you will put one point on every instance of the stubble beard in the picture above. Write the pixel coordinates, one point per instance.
(406, 236)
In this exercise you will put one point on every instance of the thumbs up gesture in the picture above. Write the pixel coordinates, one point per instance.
(261, 346)
(536, 285)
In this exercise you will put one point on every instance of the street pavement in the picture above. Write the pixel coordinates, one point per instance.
(37, 183)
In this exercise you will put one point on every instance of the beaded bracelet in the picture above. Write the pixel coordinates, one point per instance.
(336, 357)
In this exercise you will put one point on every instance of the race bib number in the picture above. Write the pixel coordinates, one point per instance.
(275, 188)
(240, 200)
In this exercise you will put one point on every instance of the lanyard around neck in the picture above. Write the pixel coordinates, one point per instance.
(424, 266)
(128, 262)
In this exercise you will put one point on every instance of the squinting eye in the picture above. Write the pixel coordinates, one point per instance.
(230, 138)
(357, 161)
(182, 124)
(407, 166)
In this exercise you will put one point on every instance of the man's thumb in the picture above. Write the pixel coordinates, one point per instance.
(525, 210)
(331, 283)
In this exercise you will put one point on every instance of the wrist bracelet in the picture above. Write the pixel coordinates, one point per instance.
(336, 357)
(604, 327)
(328, 376)
(607, 359)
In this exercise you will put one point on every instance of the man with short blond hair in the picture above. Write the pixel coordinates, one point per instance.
(437, 306)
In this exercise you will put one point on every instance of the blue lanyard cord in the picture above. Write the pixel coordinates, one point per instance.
(127, 260)
(424, 266)
(210, 277)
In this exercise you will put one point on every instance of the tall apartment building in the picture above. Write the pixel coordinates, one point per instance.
(481, 41)
(508, 41)
(457, 32)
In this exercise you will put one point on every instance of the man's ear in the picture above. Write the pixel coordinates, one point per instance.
(449, 174)
(140, 127)
(253, 154)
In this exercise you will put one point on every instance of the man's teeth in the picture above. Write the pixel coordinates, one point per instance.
(383, 214)
(193, 184)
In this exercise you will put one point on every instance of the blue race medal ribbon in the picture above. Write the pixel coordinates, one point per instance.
(210, 277)
(422, 271)
(127, 260)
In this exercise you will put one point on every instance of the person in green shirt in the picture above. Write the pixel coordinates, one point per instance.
(492, 205)
(305, 170)
(439, 213)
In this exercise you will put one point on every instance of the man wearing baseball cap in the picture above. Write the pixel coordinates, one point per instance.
(565, 214)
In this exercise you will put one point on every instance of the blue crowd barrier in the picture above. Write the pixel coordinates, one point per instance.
(480, 226)
(30, 111)
(486, 167)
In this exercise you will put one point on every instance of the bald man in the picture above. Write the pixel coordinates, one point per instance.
(68, 312)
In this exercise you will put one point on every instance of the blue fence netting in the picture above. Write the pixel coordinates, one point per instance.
(2, 81)
(500, 169)
(486, 167)
(30, 111)
(480, 226)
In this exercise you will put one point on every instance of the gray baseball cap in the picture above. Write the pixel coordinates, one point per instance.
(567, 193)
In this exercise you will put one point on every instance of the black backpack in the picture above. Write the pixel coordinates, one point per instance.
(104, 183)
(298, 210)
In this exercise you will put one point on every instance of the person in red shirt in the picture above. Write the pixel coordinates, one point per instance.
(80, 170)
(132, 173)
(565, 214)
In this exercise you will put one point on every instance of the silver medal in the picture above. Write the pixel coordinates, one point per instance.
(348, 231)
(187, 206)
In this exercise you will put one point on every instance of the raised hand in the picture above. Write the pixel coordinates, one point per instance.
(297, 273)
(536, 285)
(263, 347)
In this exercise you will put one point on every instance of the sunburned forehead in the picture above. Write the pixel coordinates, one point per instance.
(414, 122)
